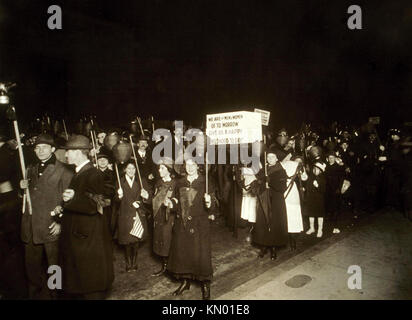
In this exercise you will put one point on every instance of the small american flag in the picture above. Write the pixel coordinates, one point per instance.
(137, 229)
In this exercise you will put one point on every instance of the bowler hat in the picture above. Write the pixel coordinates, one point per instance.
(45, 138)
(77, 142)
(143, 137)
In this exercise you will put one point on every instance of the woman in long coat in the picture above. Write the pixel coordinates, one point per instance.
(163, 220)
(292, 200)
(190, 255)
(271, 228)
(132, 206)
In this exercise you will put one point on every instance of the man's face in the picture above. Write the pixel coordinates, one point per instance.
(100, 137)
(142, 145)
(331, 159)
(71, 156)
(102, 163)
(43, 151)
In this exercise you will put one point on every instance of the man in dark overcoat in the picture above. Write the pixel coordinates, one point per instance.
(47, 179)
(86, 244)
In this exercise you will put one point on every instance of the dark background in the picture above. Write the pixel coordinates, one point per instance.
(184, 59)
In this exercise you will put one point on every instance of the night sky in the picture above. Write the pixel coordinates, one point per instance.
(184, 59)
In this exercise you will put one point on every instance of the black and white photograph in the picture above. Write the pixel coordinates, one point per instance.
(228, 151)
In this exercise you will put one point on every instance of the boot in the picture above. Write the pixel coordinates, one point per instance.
(320, 228)
(184, 285)
(273, 253)
(163, 269)
(206, 290)
(127, 258)
(312, 226)
(134, 258)
(262, 252)
(292, 241)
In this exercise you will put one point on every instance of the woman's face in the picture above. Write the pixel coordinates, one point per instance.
(130, 170)
(163, 172)
(191, 168)
(272, 159)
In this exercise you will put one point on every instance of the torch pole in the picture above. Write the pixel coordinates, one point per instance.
(22, 163)
(94, 146)
(65, 130)
(137, 165)
(140, 125)
(117, 174)
(207, 176)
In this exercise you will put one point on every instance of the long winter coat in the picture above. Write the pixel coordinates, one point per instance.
(190, 253)
(86, 244)
(127, 212)
(273, 229)
(292, 198)
(163, 218)
(45, 194)
(334, 175)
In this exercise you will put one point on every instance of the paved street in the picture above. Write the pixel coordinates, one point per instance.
(382, 249)
(381, 244)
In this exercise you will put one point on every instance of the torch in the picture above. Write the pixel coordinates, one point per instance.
(11, 115)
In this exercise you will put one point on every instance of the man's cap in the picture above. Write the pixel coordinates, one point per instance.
(45, 138)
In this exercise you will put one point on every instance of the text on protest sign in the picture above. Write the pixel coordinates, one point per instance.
(234, 127)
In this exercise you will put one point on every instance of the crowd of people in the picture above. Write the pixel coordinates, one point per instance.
(84, 192)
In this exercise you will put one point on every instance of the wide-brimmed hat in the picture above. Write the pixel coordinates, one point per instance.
(45, 138)
(77, 142)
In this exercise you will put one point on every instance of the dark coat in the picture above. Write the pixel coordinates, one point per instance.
(163, 219)
(146, 164)
(234, 204)
(334, 175)
(85, 244)
(315, 197)
(46, 194)
(127, 212)
(273, 229)
(190, 252)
